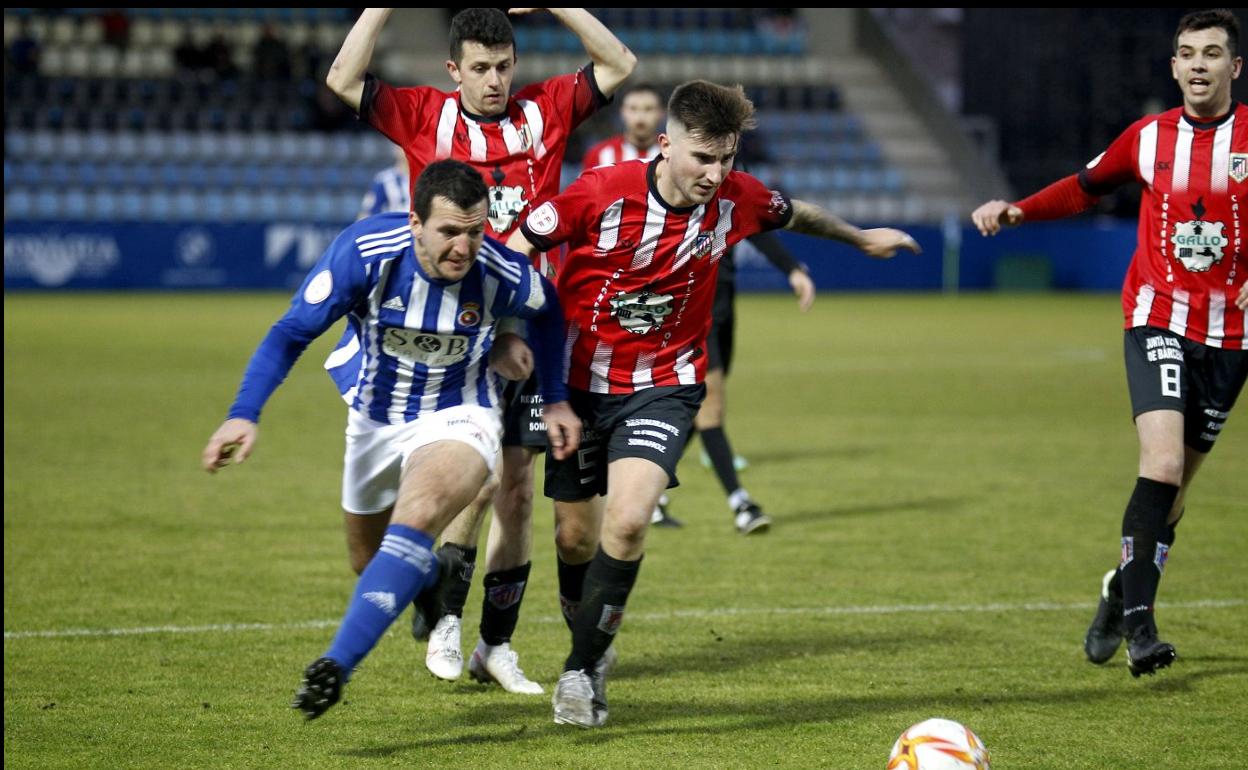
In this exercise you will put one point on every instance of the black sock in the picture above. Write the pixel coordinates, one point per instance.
(607, 586)
(571, 584)
(455, 590)
(715, 442)
(500, 609)
(1144, 549)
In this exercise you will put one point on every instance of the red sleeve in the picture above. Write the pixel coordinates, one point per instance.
(1103, 174)
(1060, 199)
(557, 220)
(574, 97)
(399, 113)
(1117, 166)
(761, 209)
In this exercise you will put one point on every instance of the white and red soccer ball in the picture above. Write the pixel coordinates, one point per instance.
(938, 744)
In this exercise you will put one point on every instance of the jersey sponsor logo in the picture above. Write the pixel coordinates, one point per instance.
(544, 219)
(470, 315)
(1198, 244)
(506, 203)
(319, 288)
(641, 312)
(1239, 166)
(419, 347)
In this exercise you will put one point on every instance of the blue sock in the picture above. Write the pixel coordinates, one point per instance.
(401, 568)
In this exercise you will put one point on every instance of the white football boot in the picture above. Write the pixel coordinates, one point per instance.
(444, 659)
(499, 663)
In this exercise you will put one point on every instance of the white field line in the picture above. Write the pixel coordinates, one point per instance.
(725, 612)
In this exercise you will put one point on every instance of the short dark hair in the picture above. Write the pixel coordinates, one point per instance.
(488, 26)
(711, 111)
(1215, 18)
(642, 88)
(454, 180)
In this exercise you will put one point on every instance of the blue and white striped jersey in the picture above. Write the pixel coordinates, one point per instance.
(414, 344)
(388, 192)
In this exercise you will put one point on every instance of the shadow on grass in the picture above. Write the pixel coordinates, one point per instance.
(717, 711)
(925, 504)
(780, 455)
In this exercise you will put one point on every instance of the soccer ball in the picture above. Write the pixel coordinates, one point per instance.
(938, 744)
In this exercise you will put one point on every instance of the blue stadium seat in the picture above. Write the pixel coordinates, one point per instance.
(132, 205)
(47, 204)
(103, 205)
(19, 203)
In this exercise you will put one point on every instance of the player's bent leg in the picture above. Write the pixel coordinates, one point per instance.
(634, 486)
(507, 558)
(1145, 535)
(438, 480)
(457, 558)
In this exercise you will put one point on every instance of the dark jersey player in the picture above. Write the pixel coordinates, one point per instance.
(644, 241)
(1184, 301)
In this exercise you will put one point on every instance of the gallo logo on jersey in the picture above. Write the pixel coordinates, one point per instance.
(506, 203)
(1198, 245)
(417, 347)
(641, 312)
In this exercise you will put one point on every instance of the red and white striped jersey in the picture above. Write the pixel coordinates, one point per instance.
(1190, 260)
(639, 280)
(519, 153)
(617, 149)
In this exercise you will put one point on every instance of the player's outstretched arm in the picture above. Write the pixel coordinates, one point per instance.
(346, 74)
(613, 61)
(990, 217)
(880, 243)
(234, 439)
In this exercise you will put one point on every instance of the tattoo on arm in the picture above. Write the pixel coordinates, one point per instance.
(809, 219)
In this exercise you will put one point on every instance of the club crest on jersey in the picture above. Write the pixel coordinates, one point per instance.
(506, 203)
(641, 312)
(701, 246)
(1198, 244)
(526, 139)
(470, 315)
(1239, 166)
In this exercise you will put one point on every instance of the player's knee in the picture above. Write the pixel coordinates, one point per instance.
(575, 541)
(515, 503)
(1165, 467)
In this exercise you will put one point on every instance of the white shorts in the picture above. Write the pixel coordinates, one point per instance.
(376, 451)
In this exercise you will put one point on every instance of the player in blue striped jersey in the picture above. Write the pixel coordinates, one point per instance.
(421, 299)
(388, 191)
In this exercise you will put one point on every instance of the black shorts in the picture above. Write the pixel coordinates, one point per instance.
(652, 424)
(1168, 371)
(723, 323)
(522, 415)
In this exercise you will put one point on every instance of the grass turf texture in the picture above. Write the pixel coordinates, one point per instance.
(912, 450)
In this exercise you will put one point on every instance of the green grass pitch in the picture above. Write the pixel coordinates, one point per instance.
(947, 478)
